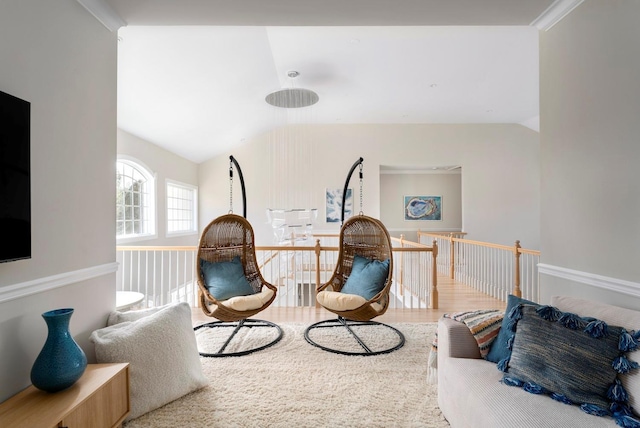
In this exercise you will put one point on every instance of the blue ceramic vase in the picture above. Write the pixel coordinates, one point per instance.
(61, 361)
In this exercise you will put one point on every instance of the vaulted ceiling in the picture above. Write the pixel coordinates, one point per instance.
(193, 74)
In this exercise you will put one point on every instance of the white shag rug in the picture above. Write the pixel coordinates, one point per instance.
(294, 384)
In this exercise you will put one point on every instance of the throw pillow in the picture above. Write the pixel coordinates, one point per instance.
(116, 317)
(610, 314)
(367, 277)
(575, 360)
(161, 349)
(225, 280)
(499, 351)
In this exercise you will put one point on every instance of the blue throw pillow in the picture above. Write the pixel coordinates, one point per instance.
(575, 360)
(499, 351)
(367, 277)
(225, 280)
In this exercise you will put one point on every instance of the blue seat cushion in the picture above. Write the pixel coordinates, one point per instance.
(225, 280)
(367, 277)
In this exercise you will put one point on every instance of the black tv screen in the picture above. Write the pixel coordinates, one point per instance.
(15, 178)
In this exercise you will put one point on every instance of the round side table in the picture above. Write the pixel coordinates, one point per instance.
(125, 300)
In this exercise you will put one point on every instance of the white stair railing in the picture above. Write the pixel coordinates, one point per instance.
(162, 274)
(167, 274)
(496, 270)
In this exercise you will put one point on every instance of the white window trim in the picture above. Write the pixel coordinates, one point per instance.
(153, 197)
(169, 181)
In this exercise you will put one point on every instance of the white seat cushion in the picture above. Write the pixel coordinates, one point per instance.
(337, 301)
(251, 302)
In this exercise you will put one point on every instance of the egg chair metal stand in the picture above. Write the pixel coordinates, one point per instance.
(368, 238)
(226, 238)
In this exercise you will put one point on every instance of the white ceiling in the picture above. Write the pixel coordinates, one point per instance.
(198, 90)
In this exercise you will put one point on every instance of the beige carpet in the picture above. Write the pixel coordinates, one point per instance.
(294, 384)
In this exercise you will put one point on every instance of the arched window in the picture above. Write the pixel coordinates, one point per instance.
(135, 200)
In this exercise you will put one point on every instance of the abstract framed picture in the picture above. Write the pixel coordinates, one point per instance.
(422, 208)
(334, 205)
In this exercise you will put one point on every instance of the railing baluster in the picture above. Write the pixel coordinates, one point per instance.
(155, 271)
(130, 268)
(318, 280)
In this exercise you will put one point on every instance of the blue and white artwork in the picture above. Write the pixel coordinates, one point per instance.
(334, 205)
(423, 207)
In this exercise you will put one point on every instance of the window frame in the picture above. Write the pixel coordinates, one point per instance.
(194, 207)
(151, 194)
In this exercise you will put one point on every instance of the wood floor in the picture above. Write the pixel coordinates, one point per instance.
(453, 297)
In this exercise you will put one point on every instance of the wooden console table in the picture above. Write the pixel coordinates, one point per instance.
(99, 399)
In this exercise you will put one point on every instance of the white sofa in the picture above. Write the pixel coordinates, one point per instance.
(470, 392)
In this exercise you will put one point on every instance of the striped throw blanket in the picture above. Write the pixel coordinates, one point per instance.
(483, 324)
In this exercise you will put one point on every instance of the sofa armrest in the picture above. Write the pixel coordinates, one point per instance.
(455, 340)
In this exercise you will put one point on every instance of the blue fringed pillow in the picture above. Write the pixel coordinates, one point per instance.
(574, 360)
(225, 280)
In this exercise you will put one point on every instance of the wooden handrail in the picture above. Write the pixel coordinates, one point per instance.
(402, 241)
(261, 248)
(531, 252)
(156, 248)
(482, 244)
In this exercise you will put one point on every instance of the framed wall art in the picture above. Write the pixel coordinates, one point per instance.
(334, 205)
(422, 208)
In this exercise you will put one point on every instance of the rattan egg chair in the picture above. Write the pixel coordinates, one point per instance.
(227, 245)
(364, 241)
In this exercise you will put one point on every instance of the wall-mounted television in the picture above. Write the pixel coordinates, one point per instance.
(15, 178)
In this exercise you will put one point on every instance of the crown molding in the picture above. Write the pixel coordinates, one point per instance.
(554, 13)
(104, 13)
(599, 281)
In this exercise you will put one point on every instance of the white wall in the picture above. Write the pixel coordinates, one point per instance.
(395, 185)
(62, 60)
(590, 105)
(500, 181)
(164, 165)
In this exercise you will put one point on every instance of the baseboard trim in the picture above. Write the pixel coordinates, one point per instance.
(28, 288)
(599, 281)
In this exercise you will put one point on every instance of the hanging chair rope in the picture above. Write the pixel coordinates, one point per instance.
(346, 186)
(361, 188)
(233, 161)
(230, 186)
